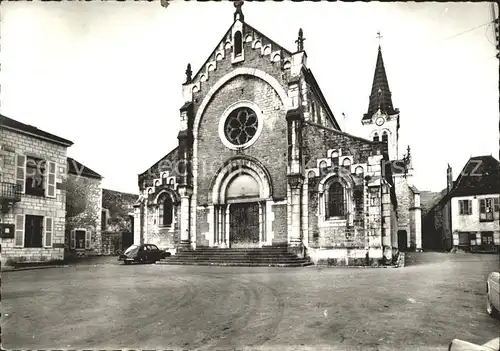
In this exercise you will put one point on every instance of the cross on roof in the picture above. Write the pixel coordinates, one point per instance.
(238, 14)
(379, 37)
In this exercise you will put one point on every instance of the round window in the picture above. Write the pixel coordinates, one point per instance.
(241, 126)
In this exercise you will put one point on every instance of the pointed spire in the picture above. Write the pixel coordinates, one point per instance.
(188, 73)
(300, 41)
(380, 97)
(238, 14)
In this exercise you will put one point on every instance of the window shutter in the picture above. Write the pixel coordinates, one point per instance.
(50, 189)
(496, 204)
(470, 207)
(49, 229)
(21, 171)
(87, 239)
(72, 239)
(19, 235)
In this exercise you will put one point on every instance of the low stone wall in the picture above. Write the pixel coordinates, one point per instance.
(346, 257)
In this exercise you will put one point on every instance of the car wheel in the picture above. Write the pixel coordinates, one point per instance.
(492, 311)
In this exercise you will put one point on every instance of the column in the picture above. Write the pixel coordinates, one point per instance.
(185, 194)
(295, 237)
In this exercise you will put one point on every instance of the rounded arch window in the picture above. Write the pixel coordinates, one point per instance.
(311, 174)
(359, 171)
(346, 162)
(241, 125)
(385, 136)
(376, 137)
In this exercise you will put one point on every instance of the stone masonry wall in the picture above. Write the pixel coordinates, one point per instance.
(270, 148)
(164, 238)
(84, 199)
(16, 143)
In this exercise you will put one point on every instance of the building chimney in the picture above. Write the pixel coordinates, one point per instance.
(449, 178)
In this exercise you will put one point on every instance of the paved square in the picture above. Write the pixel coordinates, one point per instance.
(105, 305)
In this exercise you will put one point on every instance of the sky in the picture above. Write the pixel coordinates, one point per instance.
(108, 75)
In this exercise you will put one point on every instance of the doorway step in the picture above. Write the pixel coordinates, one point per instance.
(245, 257)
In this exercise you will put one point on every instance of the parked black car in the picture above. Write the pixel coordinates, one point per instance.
(143, 253)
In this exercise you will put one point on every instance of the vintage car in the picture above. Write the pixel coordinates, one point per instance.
(460, 345)
(143, 253)
(493, 294)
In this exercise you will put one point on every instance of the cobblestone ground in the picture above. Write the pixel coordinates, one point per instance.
(101, 304)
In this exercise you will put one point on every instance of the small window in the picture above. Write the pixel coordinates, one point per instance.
(335, 158)
(376, 137)
(35, 176)
(346, 163)
(486, 210)
(237, 43)
(487, 238)
(359, 171)
(465, 207)
(323, 165)
(385, 137)
(165, 211)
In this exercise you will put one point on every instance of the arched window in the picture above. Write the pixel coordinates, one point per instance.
(335, 158)
(359, 171)
(385, 137)
(165, 211)
(335, 206)
(346, 163)
(237, 43)
(375, 137)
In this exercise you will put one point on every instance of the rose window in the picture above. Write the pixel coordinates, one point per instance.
(241, 126)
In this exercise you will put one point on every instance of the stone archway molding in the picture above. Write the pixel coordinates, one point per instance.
(232, 169)
(173, 195)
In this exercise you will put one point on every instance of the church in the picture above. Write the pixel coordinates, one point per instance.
(262, 162)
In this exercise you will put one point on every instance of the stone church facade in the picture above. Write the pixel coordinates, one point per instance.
(261, 161)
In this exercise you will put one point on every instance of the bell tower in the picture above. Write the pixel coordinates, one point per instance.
(381, 121)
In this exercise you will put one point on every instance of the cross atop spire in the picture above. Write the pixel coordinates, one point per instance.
(300, 41)
(238, 14)
(379, 37)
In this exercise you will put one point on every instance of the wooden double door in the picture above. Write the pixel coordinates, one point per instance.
(244, 228)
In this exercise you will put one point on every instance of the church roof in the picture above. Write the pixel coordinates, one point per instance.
(380, 97)
(311, 80)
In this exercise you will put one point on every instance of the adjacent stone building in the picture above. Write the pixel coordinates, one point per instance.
(33, 169)
(117, 220)
(467, 217)
(83, 206)
(262, 161)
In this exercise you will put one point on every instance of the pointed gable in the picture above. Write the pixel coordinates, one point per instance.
(380, 97)
(480, 176)
(268, 48)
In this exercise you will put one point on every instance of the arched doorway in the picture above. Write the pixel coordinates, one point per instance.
(243, 197)
(241, 191)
